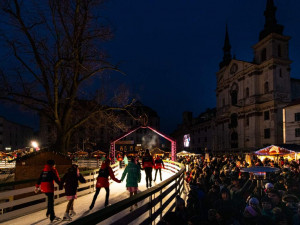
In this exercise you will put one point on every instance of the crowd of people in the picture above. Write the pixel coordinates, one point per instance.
(218, 193)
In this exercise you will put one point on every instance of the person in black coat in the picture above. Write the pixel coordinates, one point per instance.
(70, 183)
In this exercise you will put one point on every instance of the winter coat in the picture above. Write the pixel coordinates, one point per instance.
(105, 171)
(125, 160)
(119, 157)
(158, 163)
(70, 181)
(148, 161)
(47, 178)
(133, 173)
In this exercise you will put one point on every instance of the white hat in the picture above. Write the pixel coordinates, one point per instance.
(269, 185)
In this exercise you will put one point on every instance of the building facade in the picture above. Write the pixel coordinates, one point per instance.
(291, 123)
(250, 96)
(100, 137)
(13, 135)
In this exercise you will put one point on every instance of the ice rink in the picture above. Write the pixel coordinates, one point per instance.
(81, 205)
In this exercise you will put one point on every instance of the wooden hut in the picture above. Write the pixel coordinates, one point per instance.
(31, 165)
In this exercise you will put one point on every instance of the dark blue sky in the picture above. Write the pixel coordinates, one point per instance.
(171, 49)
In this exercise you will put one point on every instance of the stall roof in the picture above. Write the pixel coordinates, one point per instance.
(274, 150)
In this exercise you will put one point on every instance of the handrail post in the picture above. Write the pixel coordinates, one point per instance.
(150, 210)
(160, 204)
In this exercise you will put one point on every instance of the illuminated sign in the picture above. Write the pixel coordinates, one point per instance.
(186, 140)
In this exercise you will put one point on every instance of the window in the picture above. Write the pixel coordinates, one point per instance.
(234, 140)
(263, 55)
(279, 50)
(233, 120)
(297, 116)
(280, 72)
(234, 97)
(266, 115)
(267, 133)
(247, 92)
(223, 102)
(297, 132)
(266, 88)
(247, 121)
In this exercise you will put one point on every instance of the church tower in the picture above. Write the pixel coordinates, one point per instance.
(251, 95)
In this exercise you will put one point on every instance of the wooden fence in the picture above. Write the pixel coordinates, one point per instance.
(11, 206)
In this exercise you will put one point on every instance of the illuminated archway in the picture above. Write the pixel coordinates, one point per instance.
(113, 143)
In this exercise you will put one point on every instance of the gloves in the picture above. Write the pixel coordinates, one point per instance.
(36, 190)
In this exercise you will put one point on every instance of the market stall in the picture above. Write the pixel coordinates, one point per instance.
(273, 152)
(157, 152)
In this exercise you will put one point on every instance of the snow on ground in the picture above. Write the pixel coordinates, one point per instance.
(81, 205)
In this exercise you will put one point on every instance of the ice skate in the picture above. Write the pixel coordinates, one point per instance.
(67, 217)
(72, 213)
(55, 219)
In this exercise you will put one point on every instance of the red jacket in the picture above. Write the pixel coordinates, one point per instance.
(159, 163)
(105, 172)
(47, 178)
(148, 161)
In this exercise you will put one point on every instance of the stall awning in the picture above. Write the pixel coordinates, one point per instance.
(274, 150)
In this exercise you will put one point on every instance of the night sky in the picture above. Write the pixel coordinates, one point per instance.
(170, 50)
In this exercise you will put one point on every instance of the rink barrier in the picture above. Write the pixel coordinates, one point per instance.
(155, 202)
(11, 208)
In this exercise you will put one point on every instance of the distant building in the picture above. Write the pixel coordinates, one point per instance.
(250, 95)
(196, 134)
(291, 123)
(13, 135)
(101, 136)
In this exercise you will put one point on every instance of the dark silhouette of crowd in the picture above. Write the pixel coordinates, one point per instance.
(218, 193)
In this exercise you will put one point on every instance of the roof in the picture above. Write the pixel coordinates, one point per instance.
(37, 153)
(274, 150)
(293, 103)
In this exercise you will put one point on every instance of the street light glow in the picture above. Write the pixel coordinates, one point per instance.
(34, 144)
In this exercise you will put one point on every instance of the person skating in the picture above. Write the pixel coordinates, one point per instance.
(120, 159)
(105, 171)
(125, 160)
(70, 183)
(133, 173)
(148, 164)
(158, 165)
(46, 184)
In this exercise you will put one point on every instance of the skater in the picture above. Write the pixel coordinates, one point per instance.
(70, 179)
(158, 165)
(120, 159)
(125, 160)
(102, 181)
(133, 173)
(148, 164)
(46, 184)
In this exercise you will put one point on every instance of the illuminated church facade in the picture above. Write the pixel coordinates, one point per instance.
(250, 96)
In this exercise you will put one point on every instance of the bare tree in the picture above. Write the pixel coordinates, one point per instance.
(56, 49)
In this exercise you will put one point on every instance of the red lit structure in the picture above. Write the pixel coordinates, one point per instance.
(113, 143)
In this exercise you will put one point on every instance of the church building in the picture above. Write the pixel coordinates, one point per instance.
(251, 95)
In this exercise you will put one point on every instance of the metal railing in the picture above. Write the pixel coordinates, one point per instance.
(154, 202)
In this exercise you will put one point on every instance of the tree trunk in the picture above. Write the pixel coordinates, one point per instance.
(62, 143)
